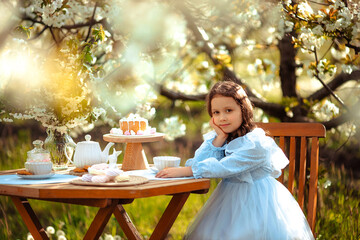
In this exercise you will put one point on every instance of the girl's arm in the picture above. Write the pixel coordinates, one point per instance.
(207, 150)
(211, 148)
(175, 172)
(246, 156)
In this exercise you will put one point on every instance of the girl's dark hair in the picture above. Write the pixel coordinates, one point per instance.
(234, 90)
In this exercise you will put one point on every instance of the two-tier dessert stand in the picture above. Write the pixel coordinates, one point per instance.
(134, 156)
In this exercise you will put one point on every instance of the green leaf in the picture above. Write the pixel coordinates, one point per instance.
(22, 32)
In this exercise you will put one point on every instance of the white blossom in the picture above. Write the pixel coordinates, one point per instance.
(318, 30)
(29, 237)
(321, 68)
(287, 2)
(5, 119)
(349, 68)
(173, 127)
(348, 129)
(339, 4)
(325, 110)
(305, 9)
(97, 112)
(108, 237)
(62, 237)
(60, 233)
(146, 111)
(340, 54)
(355, 29)
(205, 128)
(310, 41)
(50, 230)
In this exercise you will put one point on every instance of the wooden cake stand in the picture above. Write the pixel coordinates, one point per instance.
(134, 156)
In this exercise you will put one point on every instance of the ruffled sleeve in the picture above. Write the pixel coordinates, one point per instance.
(244, 155)
(207, 150)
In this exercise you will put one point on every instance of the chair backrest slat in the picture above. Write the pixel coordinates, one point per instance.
(292, 164)
(302, 172)
(314, 164)
(294, 139)
(282, 146)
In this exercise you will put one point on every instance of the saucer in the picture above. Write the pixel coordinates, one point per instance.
(154, 169)
(41, 176)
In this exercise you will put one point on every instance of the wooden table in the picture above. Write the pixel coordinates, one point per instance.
(109, 200)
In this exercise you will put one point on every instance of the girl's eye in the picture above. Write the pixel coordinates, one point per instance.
(215, 112)
(228, 110)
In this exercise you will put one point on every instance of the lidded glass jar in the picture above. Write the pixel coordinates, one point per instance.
(38, 154)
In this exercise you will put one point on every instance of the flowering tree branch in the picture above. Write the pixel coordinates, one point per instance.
(92, 21)
(172, 95)
(336, 82)
(197, 47)
(228, 74)
(350, 115)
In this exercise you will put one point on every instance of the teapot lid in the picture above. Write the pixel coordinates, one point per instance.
(87, 140)
(38, 153)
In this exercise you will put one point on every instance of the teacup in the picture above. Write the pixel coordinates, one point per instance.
(162, 162)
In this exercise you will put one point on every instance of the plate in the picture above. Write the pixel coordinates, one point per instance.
(116, 138)
(135, 136)
(134, 180)
(35, 177)
(154, 169)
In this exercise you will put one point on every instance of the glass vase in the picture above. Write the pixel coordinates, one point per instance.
(57, 143)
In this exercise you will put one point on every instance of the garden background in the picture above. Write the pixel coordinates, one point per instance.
(77, 67)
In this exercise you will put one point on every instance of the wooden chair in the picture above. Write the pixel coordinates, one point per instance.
(296, 139)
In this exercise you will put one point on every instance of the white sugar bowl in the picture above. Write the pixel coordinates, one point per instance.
(162, 162)
(39, 168)
(38, 160)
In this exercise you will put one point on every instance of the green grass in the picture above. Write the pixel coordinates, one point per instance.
(338, 206)
(337, 213)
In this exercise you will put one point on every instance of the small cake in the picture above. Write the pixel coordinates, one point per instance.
(103, 173)
(133, 123)
(100, 179)
(122, 178)
(98, 169)
(113, 172)
(86, 177)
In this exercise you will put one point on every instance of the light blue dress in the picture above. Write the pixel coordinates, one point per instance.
(249, 203)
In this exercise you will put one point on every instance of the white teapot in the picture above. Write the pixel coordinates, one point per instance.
(89, 153)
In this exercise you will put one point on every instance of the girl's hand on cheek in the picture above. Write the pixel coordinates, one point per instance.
(217, 129)
(221, 135)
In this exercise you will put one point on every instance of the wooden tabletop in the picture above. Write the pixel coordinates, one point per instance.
(72, 191)
(109, 200)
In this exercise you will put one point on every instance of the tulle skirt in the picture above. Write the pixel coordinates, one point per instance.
(264, 209)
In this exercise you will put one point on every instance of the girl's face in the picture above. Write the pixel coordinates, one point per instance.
(226, 113)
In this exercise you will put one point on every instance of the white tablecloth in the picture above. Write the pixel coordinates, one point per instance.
(150, 174)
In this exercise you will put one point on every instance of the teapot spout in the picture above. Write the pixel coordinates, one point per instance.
(105, 153)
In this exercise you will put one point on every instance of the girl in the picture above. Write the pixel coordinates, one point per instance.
(249, 203)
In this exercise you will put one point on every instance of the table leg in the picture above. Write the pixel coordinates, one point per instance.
(134, 157)
(29, 217)
(101, 219)
(169, 216)
(126, 224)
